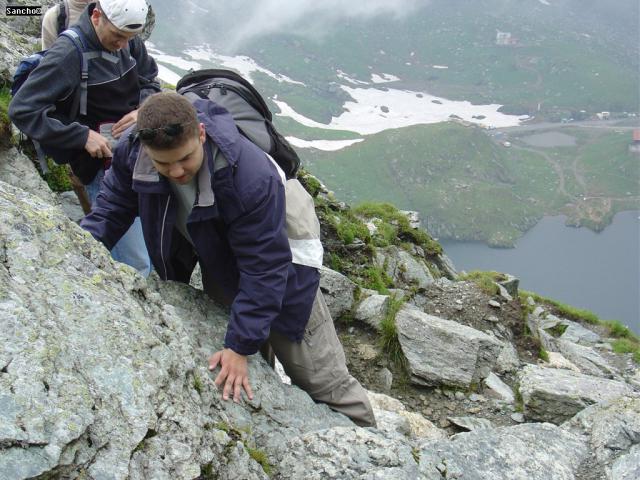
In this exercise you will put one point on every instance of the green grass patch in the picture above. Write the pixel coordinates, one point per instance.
(394, 227)
(375, 278)
(519, 401)
(619, 330)
(543, 355)
(58, 177)
(389, 334)
(197, 382)
(485, 280)
(5, 122)
(5, 99)
(260, 457)
(347, 226)
(558, 330)
(625, 345)
(564, 310)
(311, 184)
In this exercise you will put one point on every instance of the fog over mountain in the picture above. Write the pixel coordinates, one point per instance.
(270, 16)
(246, 20)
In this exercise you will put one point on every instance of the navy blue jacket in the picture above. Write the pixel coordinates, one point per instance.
(237, 227)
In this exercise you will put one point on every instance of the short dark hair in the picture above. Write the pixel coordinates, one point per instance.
(166, 120)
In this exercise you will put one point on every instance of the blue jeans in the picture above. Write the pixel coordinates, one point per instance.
(131, 248)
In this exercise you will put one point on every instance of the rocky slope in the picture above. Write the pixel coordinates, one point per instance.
(103, 374)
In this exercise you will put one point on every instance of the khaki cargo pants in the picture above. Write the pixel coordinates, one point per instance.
(318, 366)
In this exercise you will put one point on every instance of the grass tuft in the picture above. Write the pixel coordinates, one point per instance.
(260, 457)
(394, 227)
(389, 334)
(485, 280)
(544, 355)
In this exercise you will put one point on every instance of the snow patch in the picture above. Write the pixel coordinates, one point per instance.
(383, 78)
(343, 76)
(404, 108)
(168, 76)
(325, 145)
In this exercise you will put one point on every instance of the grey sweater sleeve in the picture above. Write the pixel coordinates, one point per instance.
(54, 80)
(147, 69)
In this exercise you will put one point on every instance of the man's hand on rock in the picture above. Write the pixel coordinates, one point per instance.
(97, 145)
(234, 373)
(124, 123)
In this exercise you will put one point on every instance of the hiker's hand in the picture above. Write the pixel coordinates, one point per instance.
(124, 123)
(234, 373)
(97, 145)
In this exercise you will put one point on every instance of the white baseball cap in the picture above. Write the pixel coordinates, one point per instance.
(125, 15)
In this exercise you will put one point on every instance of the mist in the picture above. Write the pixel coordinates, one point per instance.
(247, 20)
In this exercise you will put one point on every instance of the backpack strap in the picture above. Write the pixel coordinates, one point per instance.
(80, 104)
(63, 16)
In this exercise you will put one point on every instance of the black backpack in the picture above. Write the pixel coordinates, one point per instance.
(30, 63)
(247, 107)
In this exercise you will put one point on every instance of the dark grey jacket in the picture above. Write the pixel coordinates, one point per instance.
(42, 108)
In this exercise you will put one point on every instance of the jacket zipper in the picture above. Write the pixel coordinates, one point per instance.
(164, 220)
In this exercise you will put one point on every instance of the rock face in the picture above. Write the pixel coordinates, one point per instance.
(16, 169)
(348, 453)
(103, 374)
(442, 352)
(338, 292)
(613, 432)
(403, 268)
(372, 310)
(552, 395)
(532, 451)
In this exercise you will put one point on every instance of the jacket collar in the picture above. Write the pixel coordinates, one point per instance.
(221, 128)
(146, 178)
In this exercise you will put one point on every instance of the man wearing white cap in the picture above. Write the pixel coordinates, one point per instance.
(72, 117)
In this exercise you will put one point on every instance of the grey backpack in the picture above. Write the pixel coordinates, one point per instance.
(247, 107)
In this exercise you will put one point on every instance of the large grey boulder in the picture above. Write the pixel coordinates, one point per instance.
(576, 333)
(27, 26)
(104, 376)
(348, 453)
(403, 268)
(13, 47)
(510, 284)
(442, 352)
(529, 451)
(393, 417)
(446, 266)
(613, 432)
(508, 360)
(338, 292)
(627, 467)
(498, 388)
(553, 395)
(588, 360)
(373, 310)
(17, 170)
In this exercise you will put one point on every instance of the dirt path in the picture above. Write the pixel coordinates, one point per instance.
(605, 124)
(554, 164)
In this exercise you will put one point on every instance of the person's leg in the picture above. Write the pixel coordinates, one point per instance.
(318, 366)
(131, 248)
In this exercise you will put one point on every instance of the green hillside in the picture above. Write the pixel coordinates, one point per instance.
(570, 56)
(468, 186)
